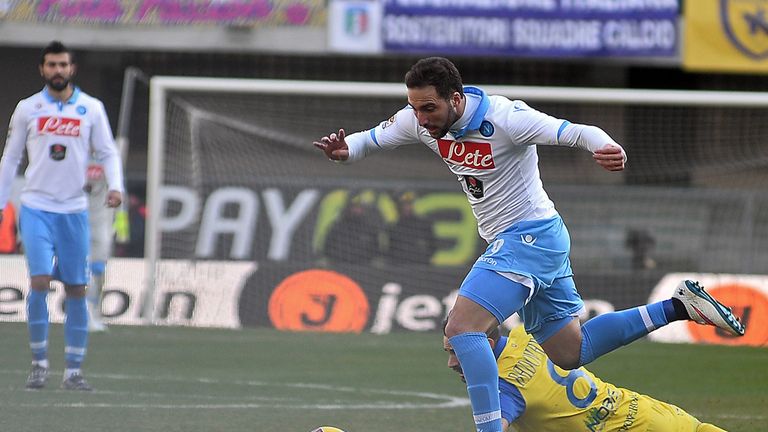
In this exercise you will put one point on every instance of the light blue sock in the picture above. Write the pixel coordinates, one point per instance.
(37, 323)
(75, 331)
(482, 375)
(604, 333)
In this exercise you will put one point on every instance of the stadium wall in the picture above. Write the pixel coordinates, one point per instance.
(344, 298)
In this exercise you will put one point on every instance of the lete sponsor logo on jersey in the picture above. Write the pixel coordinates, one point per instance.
(61, 126)
(475, 155)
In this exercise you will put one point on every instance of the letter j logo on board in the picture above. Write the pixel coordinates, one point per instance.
(746, 25)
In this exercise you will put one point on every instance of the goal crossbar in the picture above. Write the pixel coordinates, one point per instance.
(396, 90)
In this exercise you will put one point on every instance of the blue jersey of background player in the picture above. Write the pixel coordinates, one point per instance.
(60, 126)
(489, 143)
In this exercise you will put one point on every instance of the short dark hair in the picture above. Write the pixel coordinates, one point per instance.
(438, 72)
(56, 47)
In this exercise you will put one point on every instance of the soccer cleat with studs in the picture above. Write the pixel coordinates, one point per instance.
(76, 382)
(37, 377)
(704, 309)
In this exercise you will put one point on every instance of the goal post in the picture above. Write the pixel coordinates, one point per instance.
(688, 150)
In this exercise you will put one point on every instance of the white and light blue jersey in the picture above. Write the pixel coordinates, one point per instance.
(59, 138)
(492, 151)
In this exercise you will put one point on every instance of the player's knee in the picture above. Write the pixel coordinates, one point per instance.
(564, 346)
(454, 327)
(75, 291)
(40, 283)
(566, 360)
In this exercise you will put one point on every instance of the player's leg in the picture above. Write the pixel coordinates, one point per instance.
(485, 299)
(570, 345)
(706, 427)
(37, 324)
(662, 416)
(101, 247)
(93, 296)
(607, 332)
(75, 337)
(36, 237)
(551, 317)
(573, 345)
(72, 239)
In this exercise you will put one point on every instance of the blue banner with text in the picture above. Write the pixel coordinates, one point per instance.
(533, 28)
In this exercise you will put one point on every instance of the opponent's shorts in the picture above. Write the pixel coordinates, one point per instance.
(530, 255)
(63, 236)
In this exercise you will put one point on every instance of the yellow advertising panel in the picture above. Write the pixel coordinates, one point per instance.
(726, 35)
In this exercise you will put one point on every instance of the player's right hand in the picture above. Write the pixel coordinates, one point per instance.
(611, 157)
(334, 146)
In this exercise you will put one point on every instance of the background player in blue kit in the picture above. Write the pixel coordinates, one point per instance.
(489, 143)
(60, 127)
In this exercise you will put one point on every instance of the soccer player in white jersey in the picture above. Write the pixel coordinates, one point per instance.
(101, 219)
(489, 143)
(60, 127)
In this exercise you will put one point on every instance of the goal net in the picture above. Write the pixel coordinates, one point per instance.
(234, 179)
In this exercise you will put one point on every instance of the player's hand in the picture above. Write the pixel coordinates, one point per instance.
(334, 146)
(611, 157)
(114, 198)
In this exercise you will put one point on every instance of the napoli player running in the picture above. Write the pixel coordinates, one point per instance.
(489, 143)
(60, 127)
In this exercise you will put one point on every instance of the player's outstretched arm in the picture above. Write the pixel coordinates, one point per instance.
(334, 146)
(610, 157)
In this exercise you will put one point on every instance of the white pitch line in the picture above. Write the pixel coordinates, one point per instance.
(440, 400)
(285, 403)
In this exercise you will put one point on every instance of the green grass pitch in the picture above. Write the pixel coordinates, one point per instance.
(185, 379)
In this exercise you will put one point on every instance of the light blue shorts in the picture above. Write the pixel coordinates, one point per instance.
(535, 250)
(56, 243)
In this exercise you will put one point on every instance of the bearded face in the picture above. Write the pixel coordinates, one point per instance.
(57, 70)
(433, 112)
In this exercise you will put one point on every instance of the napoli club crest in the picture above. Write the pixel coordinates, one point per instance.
(486, 128)
(746, 25)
